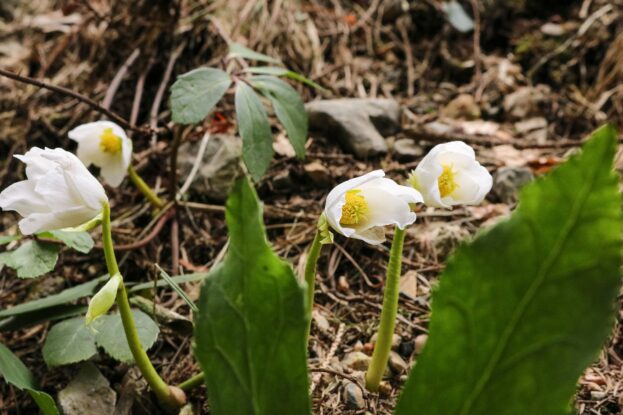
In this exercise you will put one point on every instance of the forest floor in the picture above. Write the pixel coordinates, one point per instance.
(524, 88)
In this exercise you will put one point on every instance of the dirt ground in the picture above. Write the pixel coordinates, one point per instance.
(524, 88)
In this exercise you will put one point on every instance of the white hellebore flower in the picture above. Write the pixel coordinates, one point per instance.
(59, 192)
(106, 145)
(450, 175)
(360, 207)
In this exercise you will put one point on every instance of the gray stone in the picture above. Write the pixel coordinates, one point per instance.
(353, 396)
(507, 182)
(89, 393)
(405, 149)
(356, 361)
(219, 169)
(397, 363)
(358, 124)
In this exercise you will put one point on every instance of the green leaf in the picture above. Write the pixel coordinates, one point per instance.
(32, 259)
(111, 336)
(236, 50)
(523, 309)
(277, 71)
(17, 374)
(257, 138)
(288, 107)
(195, 93)
(5, 239)
(60, 312)
(80, 241)
(251, 326)
(177, 289)
(69, 341)
(65, 296)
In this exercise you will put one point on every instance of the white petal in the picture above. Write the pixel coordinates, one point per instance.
(373, 236)
(88, 151)
(427, 177)
(57, 194)
(22, 198)
(38, 222)
(114, 171)
(474, 184)
(385, 209)
(36, 165)
(406, 193)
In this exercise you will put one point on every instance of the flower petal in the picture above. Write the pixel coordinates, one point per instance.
(114, 171)
(386, 209)
(22, 198)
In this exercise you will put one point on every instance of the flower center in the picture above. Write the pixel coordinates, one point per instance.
(447, 182)
(355, 209)
(110, 142)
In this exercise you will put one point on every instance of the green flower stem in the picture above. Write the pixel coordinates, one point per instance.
(380, 356)
(144, 188)
(310, 276)
(169, 396)
(192, 382)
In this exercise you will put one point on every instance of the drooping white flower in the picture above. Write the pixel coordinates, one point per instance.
(106, 145)
(361, 207)
(450, 175)
(59, 192)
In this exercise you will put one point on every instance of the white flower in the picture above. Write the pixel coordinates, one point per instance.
(106, 145)
(360, 207)
(59, 193)
(450, 175)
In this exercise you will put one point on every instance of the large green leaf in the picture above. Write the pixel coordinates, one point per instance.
(288, 107)
(195, 93)
(69, 341)
(257, 138)
(236, 50)
(251, 325)
(524, 308)
(80, 241)
(111, 336)
(32, 259)
(17, 374)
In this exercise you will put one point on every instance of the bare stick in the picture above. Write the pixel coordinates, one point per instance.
(59, 89)
(116, 81)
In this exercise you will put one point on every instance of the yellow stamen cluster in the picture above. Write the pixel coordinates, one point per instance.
(355, 209)
(110, 142)
(447, 183)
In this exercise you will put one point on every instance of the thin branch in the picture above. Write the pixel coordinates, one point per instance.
(61, 90)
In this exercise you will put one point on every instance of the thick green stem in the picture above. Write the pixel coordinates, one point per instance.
(192, 382)
(383, 345)
(144, 188)
(310, 276)
(167, 395)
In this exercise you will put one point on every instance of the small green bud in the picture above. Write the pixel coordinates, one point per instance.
(325, 233)
(104, 299)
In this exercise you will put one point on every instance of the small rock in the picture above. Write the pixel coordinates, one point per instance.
(553, 29)
(406, 348)
(357, 124)
(219, 168)
(356, 361)
(420, 342)
(508, 181)
(525, 101)
(385, 389)
(396, 339)
(397, 363)
(405, 149)
(318, 173)
(353, 396)
(444, 237)
(463, 107)
(89, 393)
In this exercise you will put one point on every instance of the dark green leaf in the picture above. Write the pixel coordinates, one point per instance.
(288, 107)
(257, 138)
(111, 336)
(236, 50)
(277, 71)
(195, 93)
(80, 241)
(523, 309)
(69, 341)
(65, 296)
(32, 259)
(251, 325)
(17, 374)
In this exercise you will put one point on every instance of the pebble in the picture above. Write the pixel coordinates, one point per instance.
(353, 396)
(356, 361)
